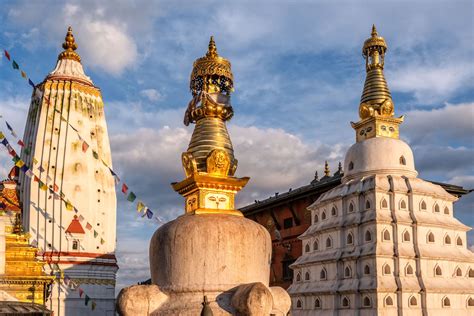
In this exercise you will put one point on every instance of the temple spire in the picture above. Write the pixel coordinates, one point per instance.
(376, 103)
(212, 51)
(69, 46)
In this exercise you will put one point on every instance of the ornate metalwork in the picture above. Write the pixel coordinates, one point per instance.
(69, 46)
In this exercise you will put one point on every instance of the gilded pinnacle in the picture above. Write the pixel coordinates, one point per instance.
(69, 46)
(212, 51)
(374, 31)
(326, 169)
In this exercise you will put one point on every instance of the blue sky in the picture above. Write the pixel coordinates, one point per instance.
(298, 74)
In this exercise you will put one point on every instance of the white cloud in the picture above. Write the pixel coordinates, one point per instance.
(151, 94)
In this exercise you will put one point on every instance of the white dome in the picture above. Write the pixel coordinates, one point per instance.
(379, 155)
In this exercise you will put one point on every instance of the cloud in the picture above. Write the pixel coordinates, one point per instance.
(151, 94)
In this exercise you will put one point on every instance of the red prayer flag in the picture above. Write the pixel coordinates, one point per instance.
(124, 188)
(89, 226)
(81, 292)
(21, 143)
(7, 55)
(56, 188)
(85, 146)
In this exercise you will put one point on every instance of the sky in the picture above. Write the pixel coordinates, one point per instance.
(298, 76)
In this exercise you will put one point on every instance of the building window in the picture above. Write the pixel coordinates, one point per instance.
(459, 241)
(75, 245)
(471, 273)
(403, 205)
(406, 236)
(438, 271)
(287, 271)
(316, 245)
(386, 269)
(409, 270)
(436, 208)
(317, 303)
(351, 207)
(423, 206)
(287, 223)
(367, 205)
(368, 236)
(431, 237)
(447, 240)
(386, 235)
(446, 302)
(458, 272)
(367, 269)
(323, 274)
(412, 301)
(298, 277)
(323, 216)
(384, 203)
(347, 272)
(316, 218)
(351, 165)
(329, 242)
(345, 302)
(470, 302)
(403, 161)
(367, 302)
(299, 304)
(307, 276)
(388, 301)
(306, 248)
(446, 210)
(333, 211)
(349, 239)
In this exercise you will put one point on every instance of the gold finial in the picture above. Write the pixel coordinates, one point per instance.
(374, 31)
(326, 169)
(69, 46)
(212, 51)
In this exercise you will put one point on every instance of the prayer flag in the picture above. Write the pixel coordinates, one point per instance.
(5, 143)
(19, 163)
(36, 179)
(27, 151)
(93, 304)
(66, 280)
(95, 233)
(84, 146)
(23, 74)
(21, 143)
(69, 206)
(87, 298)
(124, 188)
(116, 178)
(55, 188)
(56, 196)
(95, 154)
(43, 186)
(81, 218)
(16, 158)
(15, 65)
(31, 83)
(140, 206)
(29, 173)
(7, 55)
(24, 168)
(149, 213)
(88, 226)
(41, 169)
(81, 292)
(76, 210)
(2, 136)
(35, 161)
(9, 126)
(11, 151)
(131, 197)
(102, 241)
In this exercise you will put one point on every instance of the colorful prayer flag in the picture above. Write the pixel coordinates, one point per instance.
(55, 188)
(81, 218)
(149, 213)
(2, 136)
(69, 206)
(43, 186)
(21, 143)
(88, 226)
(86, 300)
(93, 304)
(81, 292)
(15, 65)
(85, 146)
(29, 173)
(7, 55)
(95, 154)
(23, 74)
(66, 280)
(41, 169)
(102, 241)
(35, 161)
(95, 233)
(31, 83)
(140, 206)
(19, 163)
(24, 168)
(124, 188)
(27, 151)
(131, 197)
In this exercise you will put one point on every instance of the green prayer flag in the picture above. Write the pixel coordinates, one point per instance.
(95, 233)
(95, 154)
(86, 300)
(131, 197)
(15, 65)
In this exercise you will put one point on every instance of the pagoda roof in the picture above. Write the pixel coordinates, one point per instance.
(75, 227)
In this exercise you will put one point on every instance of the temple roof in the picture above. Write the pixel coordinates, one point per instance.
(75, 227)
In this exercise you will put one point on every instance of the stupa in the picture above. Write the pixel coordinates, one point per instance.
(211, 260)
(384, 242)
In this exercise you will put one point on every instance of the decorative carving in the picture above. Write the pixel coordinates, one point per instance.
(189, 164)
(69, 46)
(218, 163)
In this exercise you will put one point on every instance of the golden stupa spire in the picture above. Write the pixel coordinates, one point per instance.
(327, 172)
(209, 162)
(69, 46)
(376, 103)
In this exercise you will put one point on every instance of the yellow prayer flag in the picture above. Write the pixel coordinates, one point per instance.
(23, 74)
(69, 206)
(43, 187)
(19, 163)
(35, 161)
(102, 241)
(140, 206)
(2, 136)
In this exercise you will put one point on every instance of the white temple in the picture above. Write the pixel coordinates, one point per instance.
(384, 242)
(66, 110)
